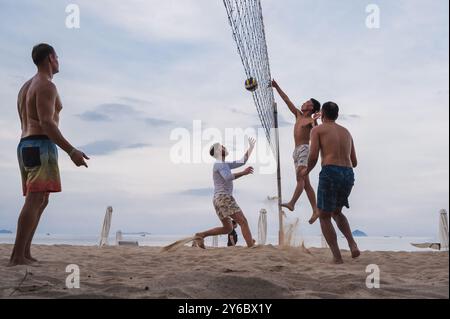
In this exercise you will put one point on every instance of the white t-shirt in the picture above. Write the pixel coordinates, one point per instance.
(223, 178)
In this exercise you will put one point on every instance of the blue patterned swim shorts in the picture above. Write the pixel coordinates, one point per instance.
(335, 185)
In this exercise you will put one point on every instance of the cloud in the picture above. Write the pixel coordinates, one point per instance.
(198, 192)
(94, 116)
(157, 122)
(169, 20)
(119, 112)
(134, 100)
(108, 147)
(108, 112)
(347, 117)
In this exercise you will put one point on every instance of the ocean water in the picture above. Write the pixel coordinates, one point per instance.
(365, 243)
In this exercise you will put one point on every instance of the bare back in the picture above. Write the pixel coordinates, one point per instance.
(336, 145)
(27, 106)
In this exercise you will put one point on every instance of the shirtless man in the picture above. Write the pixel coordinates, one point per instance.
(306, 119)
(224, 203)
(335, 144)
(39, 106)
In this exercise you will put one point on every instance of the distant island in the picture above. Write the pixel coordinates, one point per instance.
(359, 233)
(4, 231)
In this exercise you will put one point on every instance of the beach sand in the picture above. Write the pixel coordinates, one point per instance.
(235, 273)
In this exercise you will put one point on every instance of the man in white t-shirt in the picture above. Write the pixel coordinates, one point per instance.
(224, 203)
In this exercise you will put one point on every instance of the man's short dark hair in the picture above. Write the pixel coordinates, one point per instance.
(212, 150)
(316, 104)
(41, 52)
(331, 111)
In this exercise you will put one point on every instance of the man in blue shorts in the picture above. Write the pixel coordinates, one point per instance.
(335, 144)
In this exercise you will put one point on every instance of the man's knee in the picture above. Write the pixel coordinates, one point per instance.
(35, 199)
(337, 213)
(324, 215)
(240, 219)
(45, 201)
(228, 228)
(300, 177)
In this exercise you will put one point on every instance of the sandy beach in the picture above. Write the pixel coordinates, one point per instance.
(236, 273)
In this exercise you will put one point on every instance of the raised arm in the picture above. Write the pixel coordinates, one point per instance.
(228, 176)
(247, 155)
(353, 156)
(285, 98)
(45, 102)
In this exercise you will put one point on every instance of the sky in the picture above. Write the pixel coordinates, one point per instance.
(135, 72)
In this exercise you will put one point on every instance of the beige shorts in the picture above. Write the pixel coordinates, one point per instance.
(225, 206)
(301, 155)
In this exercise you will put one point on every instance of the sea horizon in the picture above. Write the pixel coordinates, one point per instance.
(369, 243)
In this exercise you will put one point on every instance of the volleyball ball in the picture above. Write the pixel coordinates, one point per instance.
(251, 84)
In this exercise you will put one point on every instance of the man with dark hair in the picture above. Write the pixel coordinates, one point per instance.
(39, 106)
(233, 236)
(306, 119)
(331, 111)
(224, 203)
(335, 144)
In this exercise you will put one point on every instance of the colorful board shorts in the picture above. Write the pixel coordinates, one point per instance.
(225, 206)
(335, 185)
(38, 162)
(301, 154)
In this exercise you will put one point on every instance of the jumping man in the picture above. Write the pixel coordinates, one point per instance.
(306, 119)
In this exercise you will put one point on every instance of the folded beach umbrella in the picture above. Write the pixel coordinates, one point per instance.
(262, 227)
(106, 227)
(443, 230)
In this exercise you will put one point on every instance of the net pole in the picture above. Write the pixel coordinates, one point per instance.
(280, 209)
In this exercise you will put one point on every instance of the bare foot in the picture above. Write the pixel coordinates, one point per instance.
(355, 251)
(338, 261)
(199, 241)
(253, 245)
(315, 216)
(288, 206)
(19, 261)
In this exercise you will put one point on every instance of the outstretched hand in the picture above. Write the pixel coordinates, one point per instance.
(78, 158)
(249, 171)
(317, 116)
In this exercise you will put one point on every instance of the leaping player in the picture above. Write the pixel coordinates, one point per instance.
(306, 119)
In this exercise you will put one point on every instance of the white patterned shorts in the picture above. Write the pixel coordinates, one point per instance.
(225, 206)
(301, 155)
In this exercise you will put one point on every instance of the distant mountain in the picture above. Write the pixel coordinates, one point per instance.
(4, 231)
(359, 233)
